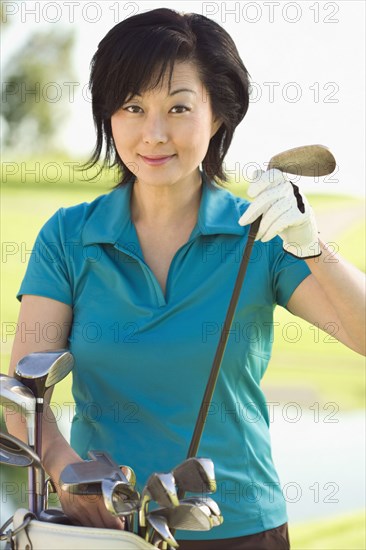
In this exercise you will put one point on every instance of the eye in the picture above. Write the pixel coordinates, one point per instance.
(132, 109)
(180, 109)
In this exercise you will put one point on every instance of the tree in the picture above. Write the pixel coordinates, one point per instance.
(36, 90)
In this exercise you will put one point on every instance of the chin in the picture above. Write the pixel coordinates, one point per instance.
(157, 179)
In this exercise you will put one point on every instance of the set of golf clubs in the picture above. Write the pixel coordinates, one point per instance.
(25, 393)
(34, 375)
(102, 476)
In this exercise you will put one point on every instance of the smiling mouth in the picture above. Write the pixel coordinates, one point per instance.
(155, 160)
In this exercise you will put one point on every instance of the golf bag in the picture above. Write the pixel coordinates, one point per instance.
(31, 534)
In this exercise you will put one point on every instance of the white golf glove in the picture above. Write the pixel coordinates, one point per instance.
(285, 212)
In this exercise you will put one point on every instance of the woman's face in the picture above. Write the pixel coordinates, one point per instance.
(162, 137)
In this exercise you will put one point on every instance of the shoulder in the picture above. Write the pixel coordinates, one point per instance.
(226, 196)
(70, 221)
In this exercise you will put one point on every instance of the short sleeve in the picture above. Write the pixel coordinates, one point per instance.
(47, 273)
(287, 272)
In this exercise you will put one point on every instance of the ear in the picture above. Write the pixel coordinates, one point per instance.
(215, 125)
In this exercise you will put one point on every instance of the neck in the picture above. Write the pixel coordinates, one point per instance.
(166, 205)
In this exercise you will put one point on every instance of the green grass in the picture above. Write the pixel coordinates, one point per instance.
(346, 532)
(307, 366)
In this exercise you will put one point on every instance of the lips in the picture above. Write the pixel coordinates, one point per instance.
(156, 159)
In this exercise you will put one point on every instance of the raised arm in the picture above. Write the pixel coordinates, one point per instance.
(333, 299)
(333, 296)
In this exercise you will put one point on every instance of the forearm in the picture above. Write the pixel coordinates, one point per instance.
(56, 451)
(345, 287)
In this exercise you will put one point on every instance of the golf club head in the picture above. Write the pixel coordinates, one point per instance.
(15, 392)
(127, 471)
(11, 446)
(102, 456)
(85, 478)
(186, 516)
(209, 506)
(15, 458)
(130, 474)
(41, 370)
(196, 475)
(306, 160)
(162, 531)
(162, 489)
(120, 498)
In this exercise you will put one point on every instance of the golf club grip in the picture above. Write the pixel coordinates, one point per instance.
(202, 415)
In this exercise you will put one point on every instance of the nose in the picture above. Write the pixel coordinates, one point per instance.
(154, 129)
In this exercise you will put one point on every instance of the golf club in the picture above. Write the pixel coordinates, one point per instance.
(104, 457)
(208, 505)
(14, 392)
(11, 458)
(85, 478)
(115, 502)
(119, 499)
(196, 475)
(186, 516)
(12, 455)
(310, 160)
(40, 371)
(12, 447)
(14, 452)
(103, 477)
(307, 160)
(160, 488)
(160, 531)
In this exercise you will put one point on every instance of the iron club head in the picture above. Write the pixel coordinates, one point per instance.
(209, 506)
(85, 478)
(12, 447)
(186, 516)
(127, 471)
(161, 531)
(196, 475)
(15, 392)
(13, 455)
(161, 488)
(120, 498)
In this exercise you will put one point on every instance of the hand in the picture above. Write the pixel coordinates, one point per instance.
(285, 212)
(88, 511)
(85, 510)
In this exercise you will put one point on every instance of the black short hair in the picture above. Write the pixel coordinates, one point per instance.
(148, 44)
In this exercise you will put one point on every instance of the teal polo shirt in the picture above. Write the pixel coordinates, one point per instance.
(142, 358)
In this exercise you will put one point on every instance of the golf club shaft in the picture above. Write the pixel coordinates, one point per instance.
(202, 415)
(40, 479)
(32, 490)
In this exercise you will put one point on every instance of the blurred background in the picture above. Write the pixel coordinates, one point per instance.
(307, 66)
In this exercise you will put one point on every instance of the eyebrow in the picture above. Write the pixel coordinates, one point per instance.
(176, 92)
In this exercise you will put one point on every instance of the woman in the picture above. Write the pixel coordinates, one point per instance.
(140, 279)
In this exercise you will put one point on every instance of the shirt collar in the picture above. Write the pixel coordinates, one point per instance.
(110, 221)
